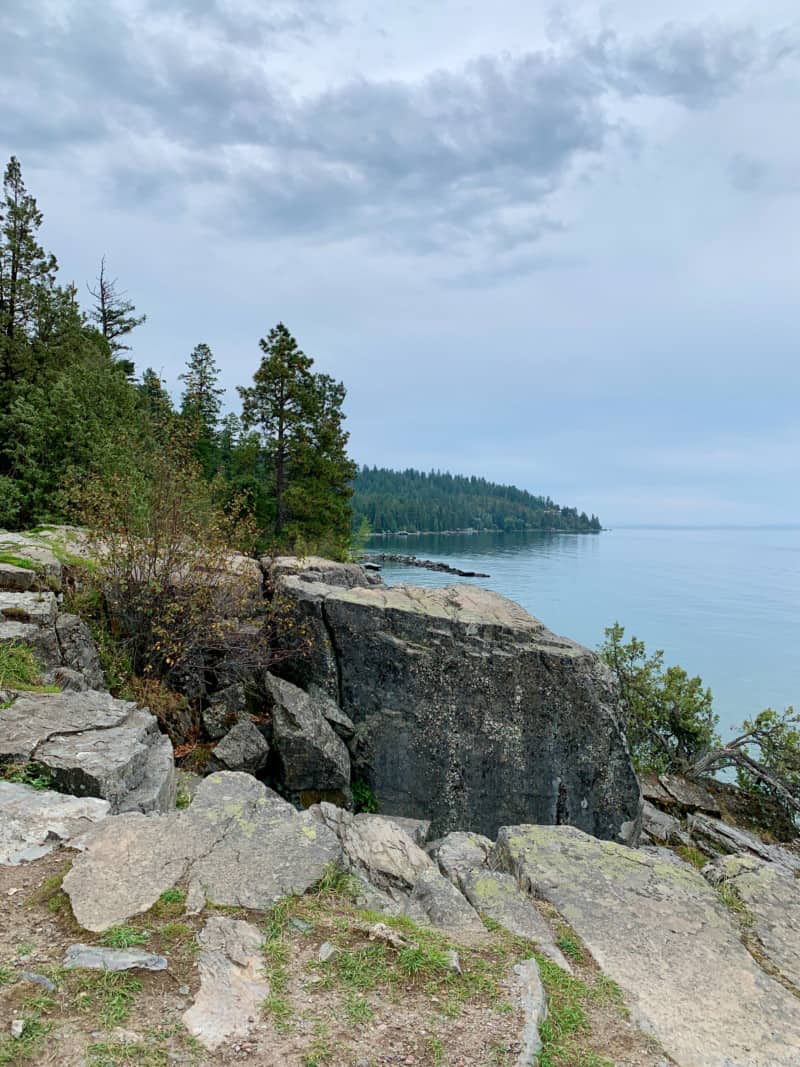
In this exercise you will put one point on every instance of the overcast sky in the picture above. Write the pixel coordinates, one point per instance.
(555, 245)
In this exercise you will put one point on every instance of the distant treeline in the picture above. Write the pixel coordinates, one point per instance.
(413, 501)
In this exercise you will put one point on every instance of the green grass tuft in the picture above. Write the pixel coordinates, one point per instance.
(124, 937)
(19, 668)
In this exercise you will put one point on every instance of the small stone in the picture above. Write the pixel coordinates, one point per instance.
(326, 951)
(95, 958)
(183, 990)
(17, 1028)
(38, 979)
(453, 962)
(301, 925)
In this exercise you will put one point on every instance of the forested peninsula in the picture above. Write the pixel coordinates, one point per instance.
(413, 501)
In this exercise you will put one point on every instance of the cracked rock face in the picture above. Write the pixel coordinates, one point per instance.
(467, 710)
(771, 894)
(238, 844)
(92, 745)
(663, 934)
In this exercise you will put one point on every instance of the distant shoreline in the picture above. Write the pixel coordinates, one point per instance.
(470, 532)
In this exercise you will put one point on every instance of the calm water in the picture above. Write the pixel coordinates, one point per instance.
(724, 603)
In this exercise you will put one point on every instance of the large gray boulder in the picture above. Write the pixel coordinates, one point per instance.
(664, 935)
(468, 710)
(238, 844)
(78, 650)
(92, 745)
(312, 756)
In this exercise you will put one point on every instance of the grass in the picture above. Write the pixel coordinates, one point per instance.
(734, 903)
(6, 976)
(692, 856)
(17, 561)
(19, 668)
(123, 1054)
(14, 1051)
(108, 996)
(565, 1032)
(569, 943)
(124, 937)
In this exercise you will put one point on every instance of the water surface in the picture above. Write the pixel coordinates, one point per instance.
(724, 603)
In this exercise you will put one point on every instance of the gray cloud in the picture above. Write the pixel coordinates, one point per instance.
(453, 161)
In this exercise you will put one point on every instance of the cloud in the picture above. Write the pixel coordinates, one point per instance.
(179, 108)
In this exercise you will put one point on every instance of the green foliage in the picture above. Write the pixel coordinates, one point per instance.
(778, 739)
(668, 716)
(298, 418)
(18, 667)
(107, 996)
(364, 800)
(32, 774)
(413, 501)
(114, 316)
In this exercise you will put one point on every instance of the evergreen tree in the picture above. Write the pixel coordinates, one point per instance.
(115, 316)
(201, 405)
(27, 274)
(298, 415)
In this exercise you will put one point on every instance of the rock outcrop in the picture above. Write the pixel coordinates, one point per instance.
(35, 821)
(667, 939)
(467, 710)
(91, 745)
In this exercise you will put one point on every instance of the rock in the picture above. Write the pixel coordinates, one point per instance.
(461, 852)
(78, 650)
(533, 1002)
(17, 1028)
(232, 986)
(242, 749)
(97, 958)
(227, 707)
(92, 745)
(498, 896)
(342, 724)
(661, 933)
(659, 825)
(35, 821)
(15, 579)
(238, 844)
(417, 829)
(689, 796)
(41, 640)
(467, 709)
(38, 979)
(311, 755)
(771, 895)
(719, 836)
(326, 952)
(68, 679)
(35, 550)
(37, 609)
(375, 847)
(315, 569)
(435, 901)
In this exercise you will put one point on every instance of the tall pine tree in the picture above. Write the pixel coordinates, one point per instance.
(299, 417)
(201, 406)
(114, 316)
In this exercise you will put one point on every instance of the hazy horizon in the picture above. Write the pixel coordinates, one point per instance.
(540, 243)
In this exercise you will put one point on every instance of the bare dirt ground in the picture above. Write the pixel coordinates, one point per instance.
(369, 1006)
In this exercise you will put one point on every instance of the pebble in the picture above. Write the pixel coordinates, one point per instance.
(38, 979)
(17, 1028)
(326, 951)
(183, 990)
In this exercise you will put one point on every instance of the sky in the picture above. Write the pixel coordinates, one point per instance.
(555, 245)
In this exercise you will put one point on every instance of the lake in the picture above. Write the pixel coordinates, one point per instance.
(724, 603)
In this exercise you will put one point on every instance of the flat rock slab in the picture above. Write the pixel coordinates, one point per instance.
(723, 837)
(534, 1009)
(92, 745)
(40, 609)
(661, 932)
(232, 986)
(35, 821)
(97, 958)
(238, 844)
(15, 579)
(772, 897)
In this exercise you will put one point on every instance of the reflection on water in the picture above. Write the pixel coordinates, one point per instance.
(721, 602)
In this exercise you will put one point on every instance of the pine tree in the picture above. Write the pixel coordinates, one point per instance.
(27, 272)
(201, 406)
(115, 316)
(298, 415)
